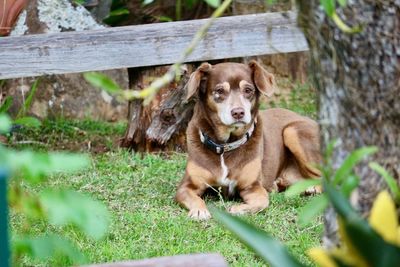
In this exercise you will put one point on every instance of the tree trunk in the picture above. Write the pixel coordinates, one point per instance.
(161, 125)
(357, 76)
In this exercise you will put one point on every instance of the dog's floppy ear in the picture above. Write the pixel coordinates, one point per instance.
(264, 80)
(195, 79)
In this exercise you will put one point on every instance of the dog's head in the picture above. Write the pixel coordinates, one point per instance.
(231, 91)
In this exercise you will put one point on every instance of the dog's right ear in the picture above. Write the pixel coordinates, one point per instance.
(195, 79)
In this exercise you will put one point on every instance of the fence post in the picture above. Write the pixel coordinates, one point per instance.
(4, 245)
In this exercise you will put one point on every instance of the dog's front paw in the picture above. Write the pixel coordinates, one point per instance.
(239, 209)
(199, 214)
(313, 190)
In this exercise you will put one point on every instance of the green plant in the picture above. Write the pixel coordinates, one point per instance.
(344, 177)
(21, 117)
(373, 243)
(118, 13)
(329, 7)
(59, 207)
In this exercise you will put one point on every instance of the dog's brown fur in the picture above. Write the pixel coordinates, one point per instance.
(279, 152)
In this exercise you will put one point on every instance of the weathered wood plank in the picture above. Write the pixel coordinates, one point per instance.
(148, 45)
(195, 260)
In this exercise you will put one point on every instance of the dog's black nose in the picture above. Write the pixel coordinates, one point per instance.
(237, 113)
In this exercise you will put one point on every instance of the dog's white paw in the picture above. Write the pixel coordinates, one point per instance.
(313, 190)
(239, 209)
(199, 214)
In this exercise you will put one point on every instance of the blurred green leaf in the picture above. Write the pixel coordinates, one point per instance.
(213, 3)
(27, 103)
(102, 81)
(264, 245)
(69, 207)
(28, 122)
(313, 208)
(34, 166)
(328, 6)
(5, 123)
(368, 243)
(47, 246)
(352, 160)
(349, 184)
(301, 186)
(390, 181)
(67, 162)
(6, 104)
(342, 3)
(330, 148)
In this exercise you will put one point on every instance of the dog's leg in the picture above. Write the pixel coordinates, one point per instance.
(189, 197)
(302, 139)
(255, 199)
(190, 190)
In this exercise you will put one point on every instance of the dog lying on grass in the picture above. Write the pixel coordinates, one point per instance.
(233, 145)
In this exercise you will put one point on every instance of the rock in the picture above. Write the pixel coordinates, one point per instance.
(68, 95)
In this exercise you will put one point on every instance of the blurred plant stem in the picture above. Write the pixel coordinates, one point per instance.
(148, 93)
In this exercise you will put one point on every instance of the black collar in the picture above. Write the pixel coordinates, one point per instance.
(221, 148)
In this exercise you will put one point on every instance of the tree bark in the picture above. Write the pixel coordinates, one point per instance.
(161, 125)
(357, 76)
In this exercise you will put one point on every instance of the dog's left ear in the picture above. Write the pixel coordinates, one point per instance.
(195, 79)
(264, 80)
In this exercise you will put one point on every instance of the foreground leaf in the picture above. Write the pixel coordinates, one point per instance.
(390, 181)
(35, 166)
(264, 245)
(352, 160)
(363, 237)
(69, 207)
(5, 123)
(102, 81)
(328, 6)
(213, 3)
(300, 187)
(45, 247)
(313, 208)
(383, 217)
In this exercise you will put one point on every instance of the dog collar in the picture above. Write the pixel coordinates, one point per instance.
(221, 148)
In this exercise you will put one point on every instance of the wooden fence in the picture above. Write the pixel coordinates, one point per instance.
(148, 45)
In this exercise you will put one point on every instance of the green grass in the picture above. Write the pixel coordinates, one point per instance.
(146, 222)
(139, 193)
(73, 135)
(300, 99)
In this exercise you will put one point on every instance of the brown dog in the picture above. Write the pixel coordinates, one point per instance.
(231, 144)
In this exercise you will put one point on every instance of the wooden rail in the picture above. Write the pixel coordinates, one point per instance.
(148, 45)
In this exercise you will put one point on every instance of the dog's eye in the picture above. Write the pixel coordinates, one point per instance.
(248, 90)
(219, 91)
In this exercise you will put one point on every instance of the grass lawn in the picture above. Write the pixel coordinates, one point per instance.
(139, 192)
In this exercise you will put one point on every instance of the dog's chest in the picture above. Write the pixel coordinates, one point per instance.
(224, 180)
